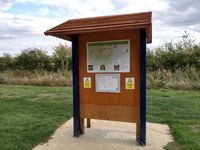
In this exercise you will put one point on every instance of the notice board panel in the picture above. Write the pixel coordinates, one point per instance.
(126, 98)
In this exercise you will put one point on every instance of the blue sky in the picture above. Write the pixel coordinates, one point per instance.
(22, 22)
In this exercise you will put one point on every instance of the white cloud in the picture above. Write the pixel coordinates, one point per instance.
(23, 30)
(81, 8)
(19, 32)
(43, 11)
(142, 5)
(5, 4)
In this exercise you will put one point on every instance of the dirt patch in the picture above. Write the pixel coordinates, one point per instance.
(195, 128)
(48, 95)
(8, 95)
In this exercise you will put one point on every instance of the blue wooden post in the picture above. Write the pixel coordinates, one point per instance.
(75, 68)
(142, 138)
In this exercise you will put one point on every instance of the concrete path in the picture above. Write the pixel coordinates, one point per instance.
(107, 135)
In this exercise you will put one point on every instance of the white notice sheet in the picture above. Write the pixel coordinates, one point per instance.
(108, 83)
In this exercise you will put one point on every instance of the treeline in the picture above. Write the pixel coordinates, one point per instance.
(38, 59)
(175, 65)
(181, 54)
(170, 56)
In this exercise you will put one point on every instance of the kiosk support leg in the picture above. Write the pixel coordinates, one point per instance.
(82, 127)
(88, 123)
(76, 100)
(142, 135)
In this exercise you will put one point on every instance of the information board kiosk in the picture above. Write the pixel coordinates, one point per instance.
(109, 68)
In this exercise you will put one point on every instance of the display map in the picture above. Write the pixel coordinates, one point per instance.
(101, 55)
(111, 56)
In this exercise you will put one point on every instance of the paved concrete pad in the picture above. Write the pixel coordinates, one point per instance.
(107, 135)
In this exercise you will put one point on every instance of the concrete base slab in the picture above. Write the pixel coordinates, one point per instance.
(107, 135)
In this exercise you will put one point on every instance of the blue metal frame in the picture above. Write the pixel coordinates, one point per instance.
(142, 138)
(76, 97)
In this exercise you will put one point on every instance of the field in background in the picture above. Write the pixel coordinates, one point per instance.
(38, 78)
(185, 79)
(30, 114)
(181, 79)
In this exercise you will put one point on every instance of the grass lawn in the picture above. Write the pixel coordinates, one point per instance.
(181, 111)
(29, 115)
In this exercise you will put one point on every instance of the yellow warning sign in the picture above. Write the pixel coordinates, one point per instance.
(87, 82)
(130, 83)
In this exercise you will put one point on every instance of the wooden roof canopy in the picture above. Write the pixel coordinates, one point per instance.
(103, 23)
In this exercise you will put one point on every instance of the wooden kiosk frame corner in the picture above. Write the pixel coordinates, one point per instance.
(128, 104)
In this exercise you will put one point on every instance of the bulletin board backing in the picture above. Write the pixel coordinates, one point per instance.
(123, 106)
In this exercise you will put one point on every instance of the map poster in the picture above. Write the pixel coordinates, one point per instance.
(107, 83)
(108, 56)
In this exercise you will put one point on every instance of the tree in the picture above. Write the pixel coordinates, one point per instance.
(172, 55)
(31, 59)
(6, 62)
(62, 57)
